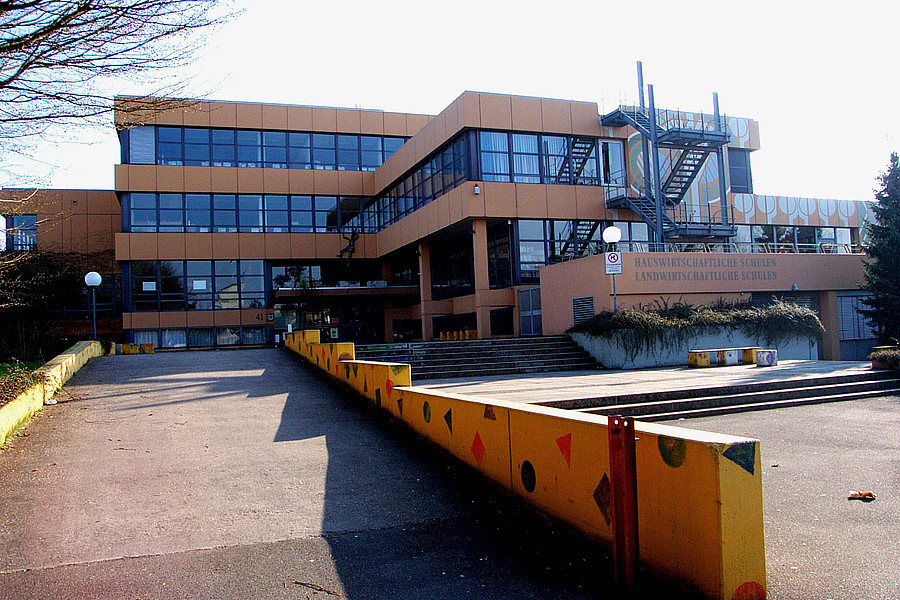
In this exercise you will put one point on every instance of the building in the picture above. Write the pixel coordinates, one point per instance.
(236, 221)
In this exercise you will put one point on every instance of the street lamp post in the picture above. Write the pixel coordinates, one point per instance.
(612, 235)
(92, 280)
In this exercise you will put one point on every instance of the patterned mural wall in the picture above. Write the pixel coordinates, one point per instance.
(700, 495)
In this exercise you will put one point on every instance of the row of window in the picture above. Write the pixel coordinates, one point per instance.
(195, 285)
(445, 170)
(255, 213)
(201, 337)
(550, 159)
(161, 145)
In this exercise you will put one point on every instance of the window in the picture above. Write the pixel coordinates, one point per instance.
(275, 155)
(224, 213)
(21, 232)
(323, 147)
(197, 212)
(739, 171)
(494, 156)
(142, 145)
(249, 151)
(196, 147)
(224, 153)
(169, 148)
(526, 160)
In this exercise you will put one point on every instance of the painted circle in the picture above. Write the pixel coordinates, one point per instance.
(672, 450)
(529, 478)
(426, 412)
(749, 591)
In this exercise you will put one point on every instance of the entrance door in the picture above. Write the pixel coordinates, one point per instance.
(530, 311)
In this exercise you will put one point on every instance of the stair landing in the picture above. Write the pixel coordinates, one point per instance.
(592, 391)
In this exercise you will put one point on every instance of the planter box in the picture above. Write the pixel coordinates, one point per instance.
(611, 352)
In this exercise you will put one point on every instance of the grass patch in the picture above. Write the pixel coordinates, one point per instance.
(17, 377)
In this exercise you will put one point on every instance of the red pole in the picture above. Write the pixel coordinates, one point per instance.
(623, 483)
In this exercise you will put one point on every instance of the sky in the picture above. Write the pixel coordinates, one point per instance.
(818, 77)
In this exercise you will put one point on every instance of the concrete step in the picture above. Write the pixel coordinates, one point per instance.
(476, 358)
(722, 402)
(722, 390)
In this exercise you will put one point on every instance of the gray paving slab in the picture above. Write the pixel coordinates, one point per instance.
(569, 385)
(241, 474)
(819, 544)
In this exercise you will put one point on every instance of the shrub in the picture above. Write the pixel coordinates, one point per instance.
(889, 359)
(644, 329)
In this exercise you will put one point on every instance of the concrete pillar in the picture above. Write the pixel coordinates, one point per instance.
(482, 278)
(828, 313)
(425, 289)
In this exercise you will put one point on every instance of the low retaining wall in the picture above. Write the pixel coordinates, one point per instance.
(56, 373)
(611, 353)
(700, 509)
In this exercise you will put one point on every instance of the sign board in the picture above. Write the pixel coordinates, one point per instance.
(613, 263)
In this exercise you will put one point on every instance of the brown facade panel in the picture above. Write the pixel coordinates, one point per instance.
(200, 318)
(561, 202)
(250, 181)
(249, 116)
(414, 123)
(226, 318)
(170, 246)
(526, 113)
(299, 118)
(469, 110)
(252, 245)
(169, 178)
(278, 246)
(198, 246)
(196, 115)
(394, 124)
(223, 180)
(324, 119)
(145, 320)
(276, 181)
(329, 245)
(274, 116)
(496, 111)
(303, 245)
(347, 121)
(590, 203)
(585, 118)
(225, 246)
(254, 317)
(556, 116)
(173, 320)
(197, 179)
(529, 200)
(371, 122)
(326, 183)
(301, 181)
(143, 246)
(223, 114)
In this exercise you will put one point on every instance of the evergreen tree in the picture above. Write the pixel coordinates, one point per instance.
(883, 248)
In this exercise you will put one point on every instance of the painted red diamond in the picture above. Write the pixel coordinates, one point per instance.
(478, 449)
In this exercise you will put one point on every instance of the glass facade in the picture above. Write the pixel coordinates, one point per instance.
(250, 213)
(204, 147)
(194, 285)
(550, 159)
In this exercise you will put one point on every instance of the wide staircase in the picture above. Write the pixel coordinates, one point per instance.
(710, 401)
(481, 358)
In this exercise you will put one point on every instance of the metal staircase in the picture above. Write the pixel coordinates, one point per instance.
(689, 144)
(579, 243)
(580, 150)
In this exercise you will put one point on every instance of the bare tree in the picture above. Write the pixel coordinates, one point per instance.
(58, 56)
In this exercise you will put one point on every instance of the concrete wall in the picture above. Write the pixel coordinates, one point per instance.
(611, 353)
(699, 494)
(55, 373)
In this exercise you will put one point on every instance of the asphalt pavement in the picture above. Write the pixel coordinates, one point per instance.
(243, 474)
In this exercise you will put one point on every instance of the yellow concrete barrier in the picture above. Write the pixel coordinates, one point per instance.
(54, 375)
(700, 514)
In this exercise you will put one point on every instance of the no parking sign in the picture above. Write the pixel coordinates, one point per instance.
(613, 263)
